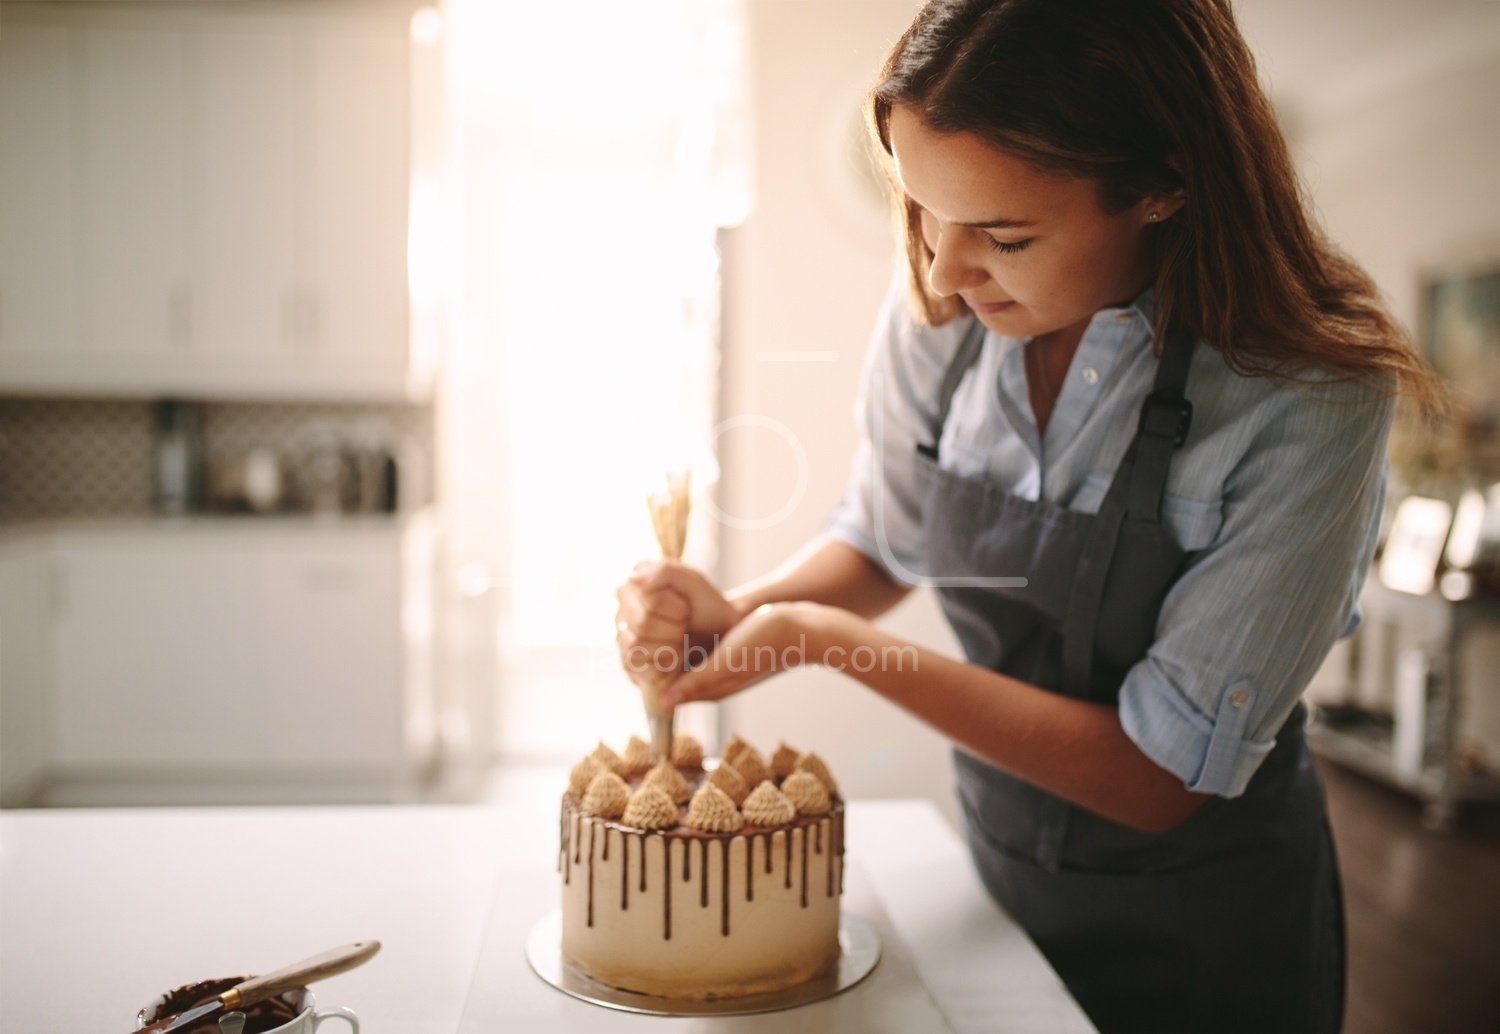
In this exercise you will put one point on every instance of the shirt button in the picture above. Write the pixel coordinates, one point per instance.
(1090, 375)
(1239, 698)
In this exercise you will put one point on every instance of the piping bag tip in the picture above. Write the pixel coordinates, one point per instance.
(660, 723)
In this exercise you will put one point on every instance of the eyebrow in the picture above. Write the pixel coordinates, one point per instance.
(1000, 224)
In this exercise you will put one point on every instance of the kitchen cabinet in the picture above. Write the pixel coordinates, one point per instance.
(133, 87)
(251, 241)
(26, 718)
(226, 660)
(38, 269)
(220, 197)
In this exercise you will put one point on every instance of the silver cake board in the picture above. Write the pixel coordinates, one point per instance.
(506, 997)
(859, 946)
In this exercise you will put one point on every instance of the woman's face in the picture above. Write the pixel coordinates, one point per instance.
(1031, 253)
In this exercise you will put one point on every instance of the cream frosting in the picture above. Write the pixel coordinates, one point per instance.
(687, 752)
(812, 763)
(736, 744)
(726, 778)
(768, 806)
(607, 757)
(807, 793)
(665, 777)
(748, 763)
(606, 796)
(784, 761)
(712, 811)
(583, 773)
(650, 808)
(638, 757)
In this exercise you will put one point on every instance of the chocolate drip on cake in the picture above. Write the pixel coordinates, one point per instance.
(666, 884)
(724, 894)
(770, 839)
(839, 818)
(624, 867)
(643, 861)
(749, 868)
(788, 835)
(703, 859)
(818, 838)
(592, 826)
(565, 866)
(804, 868)
(838, 850)
(604, 855)
(687, 861)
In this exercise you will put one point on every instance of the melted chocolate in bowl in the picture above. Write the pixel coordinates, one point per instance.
(259, 1018)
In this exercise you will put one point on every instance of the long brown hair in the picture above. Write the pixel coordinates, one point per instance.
(1156, 98)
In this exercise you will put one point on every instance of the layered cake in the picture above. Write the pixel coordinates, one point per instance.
(688, 879)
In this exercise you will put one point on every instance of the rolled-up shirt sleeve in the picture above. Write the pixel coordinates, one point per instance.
(896, 409)
(1243, 630)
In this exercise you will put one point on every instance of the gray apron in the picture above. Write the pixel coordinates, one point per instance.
(1231, 921)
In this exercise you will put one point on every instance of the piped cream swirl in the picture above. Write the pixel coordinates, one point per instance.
(807, 793)
(650, 808)
(712, 811)
(748, 763)
(728, 779)
(687, 752)
(784, 761)
(583, 773)
(665, 777)
(638, 757)
(768, 806)
(606, 796)
(812, 763)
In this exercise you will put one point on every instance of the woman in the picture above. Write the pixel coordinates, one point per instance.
(1128, 420)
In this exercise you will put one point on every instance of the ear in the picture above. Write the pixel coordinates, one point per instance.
(1158, 209)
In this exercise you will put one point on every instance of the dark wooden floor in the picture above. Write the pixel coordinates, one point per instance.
(1423, 911)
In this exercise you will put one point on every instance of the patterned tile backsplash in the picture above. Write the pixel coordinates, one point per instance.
(96, 457)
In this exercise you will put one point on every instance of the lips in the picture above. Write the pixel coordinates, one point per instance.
(990, 308)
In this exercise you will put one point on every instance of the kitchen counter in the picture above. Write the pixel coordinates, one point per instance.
(101, 910)
(209, 522)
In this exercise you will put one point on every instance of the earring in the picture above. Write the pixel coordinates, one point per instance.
(1154, 216)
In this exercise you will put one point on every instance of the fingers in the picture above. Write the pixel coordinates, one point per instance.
(700, 684)
(668, 574)
(652, 616)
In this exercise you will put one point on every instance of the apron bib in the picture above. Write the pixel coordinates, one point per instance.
(1232, 920)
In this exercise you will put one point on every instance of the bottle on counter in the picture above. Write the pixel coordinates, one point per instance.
(179, 457)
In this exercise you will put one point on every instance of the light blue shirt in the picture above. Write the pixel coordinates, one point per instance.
(1278, 490)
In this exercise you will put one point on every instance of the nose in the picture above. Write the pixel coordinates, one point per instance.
(954, 266)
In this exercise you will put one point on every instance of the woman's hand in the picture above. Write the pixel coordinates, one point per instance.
(662, 607)
(772, 638)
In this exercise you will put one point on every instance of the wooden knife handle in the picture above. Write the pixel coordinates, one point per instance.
(315, 967)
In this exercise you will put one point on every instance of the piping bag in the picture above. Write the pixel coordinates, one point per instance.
(669, 519)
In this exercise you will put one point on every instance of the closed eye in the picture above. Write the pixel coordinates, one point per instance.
(1008, 247)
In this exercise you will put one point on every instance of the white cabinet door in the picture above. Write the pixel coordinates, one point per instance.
(37, 274)
(360, 171)
(252, 238)
(209, 199)
(247, 656)
(158, 655)
(26, 721)
(138, 303)
(334, 663)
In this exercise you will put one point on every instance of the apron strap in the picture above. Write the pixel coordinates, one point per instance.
(1136, 492)
(968, 351)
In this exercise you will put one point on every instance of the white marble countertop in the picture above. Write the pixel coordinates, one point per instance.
(102, 909)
